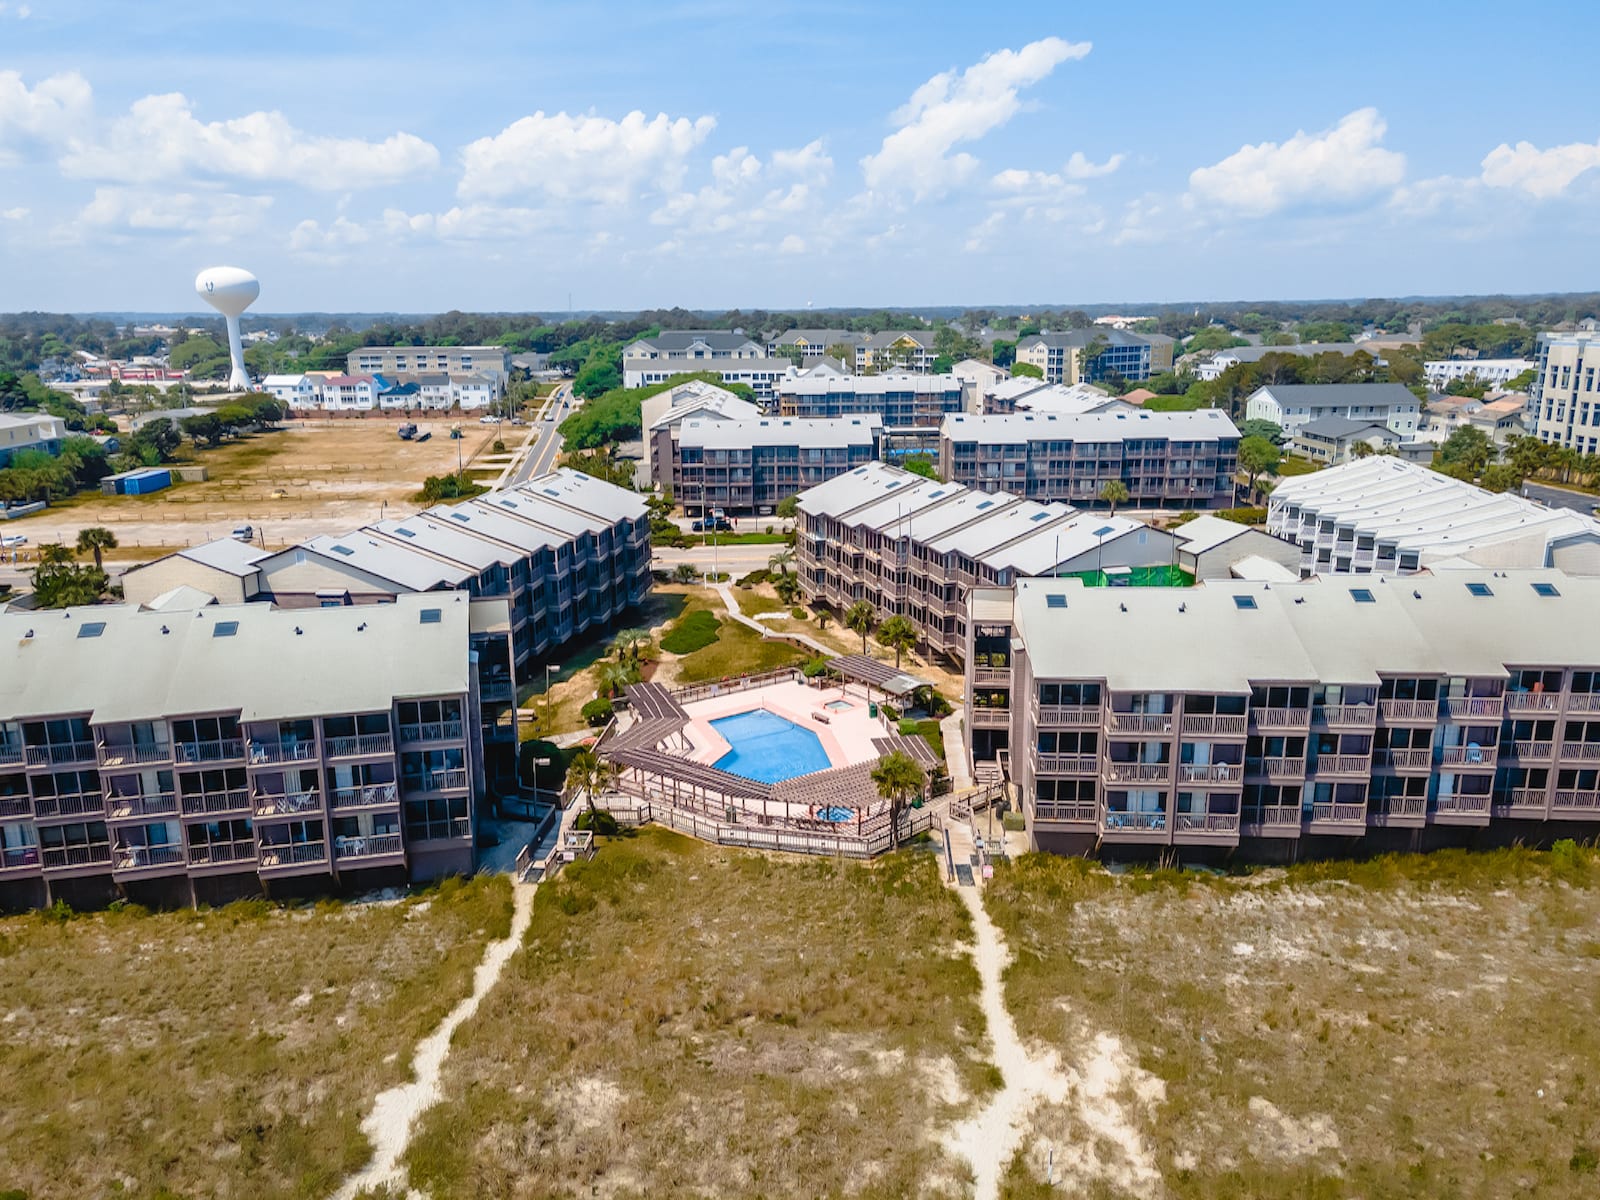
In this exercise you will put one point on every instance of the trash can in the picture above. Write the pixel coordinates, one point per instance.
(872, 709)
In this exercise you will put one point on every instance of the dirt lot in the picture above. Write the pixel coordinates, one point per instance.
(689, 1021)
(230, 1053)
(1424, 1026)
(332, 475)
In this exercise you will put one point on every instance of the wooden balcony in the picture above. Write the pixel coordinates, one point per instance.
(1411, 712)
(1343, 764)
(147, 860)
(360, 746)
(436, 781)
(1580, 751)
(1135, 827)
(1403, 812)
(1126, 772)
(292, 858)
(1074, 812)
(1466, 707)
(287, 804)
(76, 858)
(1210, 774)
(1206, 829)
(430, 731)
(1583, 702)
(16, 806)
(61, 754)
(1470, 757)
(66, 808)
(10, 754)
(991, 718)
(359, 851)
(1461, 810)
(205, 804)
(282, 752)
(115, 754)
(1066, 714)
(1405, 761)
(1066, 764)
(991, 675)
(1337, 819)
(1571, 805)
(217, 750)
(1287, 720)
(1214, 725)
(19, 860)
(373, 795)
(1122, 722)
(1533, 751)
(236, 855)
(136, 808)
(1346, 716)
(1532, 702)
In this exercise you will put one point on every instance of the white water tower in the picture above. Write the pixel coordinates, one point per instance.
(230, 290)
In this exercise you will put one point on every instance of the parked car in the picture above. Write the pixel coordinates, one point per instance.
(722, 525)
(407, 431)
(700, 526)
(491, 419)
(243, 533)
(11, 541)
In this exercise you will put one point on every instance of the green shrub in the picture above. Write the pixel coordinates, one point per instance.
(1015, 822)
(814, 667)
(598, 820)
(798, 613)
(1244, 516)
(597, 711)
(755, 578)
(551, 777)
(695, 632)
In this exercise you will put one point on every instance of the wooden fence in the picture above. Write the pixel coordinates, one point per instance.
(790, 841)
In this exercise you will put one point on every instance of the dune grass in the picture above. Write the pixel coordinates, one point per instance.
(686, 1020)
(1409, 1026)
(228, 1053)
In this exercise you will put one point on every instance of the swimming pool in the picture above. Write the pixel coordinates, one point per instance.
(768, 748)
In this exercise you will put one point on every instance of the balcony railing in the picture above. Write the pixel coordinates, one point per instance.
(213, 854)
(14, 858)
(15, 806)
(136, 858)
(207, 803)
(62, 857)
(1339, 814)
(1409, 710)
(366, 847)
(1134, 822)
(1284, 768)
(76, 805)
(1216, 724)
(1521, 702)
(1207, 822)
(1470, 756)
(991, 718)
(1582, 800)
(1123, 722)
(276, 752)
(1067, 714)
(991, 674)
(1583, 702)
(292, 854)
(436, 781)
(1275, 815)
(1343, 764)
(213, 750)
(1464, 806)
(1521, 798)
(10, 753)
(1066, 764)
(359, 745)
(1125, 772)
(1363, 715)
(1405, 760)
(1280, 718)
(433, 831)
(156, 804)
(1474, 706)
(275, 804)
(1533, 750)
(1065, 810)
(121, 754)
(431, 731)
(59, 753)
(1587, 751)
(1210, 772)
(1399, 806)
(361, 797)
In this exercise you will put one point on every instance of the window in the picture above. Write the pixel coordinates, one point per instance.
(91, 629)
(225, 629)
(1244, 601)
(1362, 596)
(430, 616)
(1539, 589)
(1479, 589)
(1055, 600)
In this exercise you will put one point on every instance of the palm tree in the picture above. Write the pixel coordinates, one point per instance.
(54, 554)
(898, 778)
(685, 573)
(614, 676)
(859, 618)
(1114, 492)
(899, 635)
(96, 539)
(629, 645)
(780, 562)
(787, 587)
(589, 775)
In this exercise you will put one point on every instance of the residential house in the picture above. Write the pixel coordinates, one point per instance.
(1293, 405)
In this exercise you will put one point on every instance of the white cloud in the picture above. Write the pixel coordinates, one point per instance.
(1342, 165)
(953, 108)
(52, 110)
(1079, 166)
(216, 216)
(20, 11)
(1540, 173)
(582, 157)
(792, 244)
(810, 162)
(461, 223)
(13, 214)
(981, 236)
(161, 139)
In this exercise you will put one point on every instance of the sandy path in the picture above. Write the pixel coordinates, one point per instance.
(395, 1111)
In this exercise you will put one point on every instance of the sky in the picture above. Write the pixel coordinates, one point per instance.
(418, 157)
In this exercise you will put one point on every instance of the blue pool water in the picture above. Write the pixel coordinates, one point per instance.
(767, 748)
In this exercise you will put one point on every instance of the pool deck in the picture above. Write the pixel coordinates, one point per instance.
(846, 736)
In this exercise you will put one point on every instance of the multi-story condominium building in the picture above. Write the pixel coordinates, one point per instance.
(1294, 405)
(915, 547)
(348, 393)
(1031, 395)
(1166, 460)
(1494, 372)
(746, 467)
(762, 375)
(299, 392)
(240, 748)
(809, 345)
(1329, 440)
(739, 359)
(662, 416)
(902, 399)
(1564, 399)
(1131, 355)
(1385, 516)
(896, 350)
(1269, 717)
(30, 431)
(1219, 362)
(567, 551)
(494, 361)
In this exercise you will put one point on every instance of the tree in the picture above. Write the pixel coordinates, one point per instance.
(204, 427)
(59, 582)
(1259, 427)
(615, 676)
(685, 573)
(1089, 353)
(1501, 477)
(1024, 370)
(921, 464)
(1362, 450)
(588, 775)
(629, 645)
(898, 779)
(787, 587)
(1114, 492)
(1466, 450)
(1523, 381)
(268, 412)
(781, 561)
(897, 634)
(96, 539)
(1258, 456)
(789, 507)
(859, 618)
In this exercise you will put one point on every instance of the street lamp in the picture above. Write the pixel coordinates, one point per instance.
(548, 667)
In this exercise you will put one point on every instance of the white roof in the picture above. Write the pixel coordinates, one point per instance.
(1069, 401)
(182, 597)
(436, 534)
(411, 569)
(1056, 541)
(1207, 424)
(275, 664)
(1264, 570)
(281, 380)
(226, 554)
(1207, 533)
(847, 492)
(818, 432)
(697, 397)
(827, 384)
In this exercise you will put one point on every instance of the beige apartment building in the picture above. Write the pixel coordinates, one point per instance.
(1564, 399)
(494, 361)
(1286, 717)
(240, 748)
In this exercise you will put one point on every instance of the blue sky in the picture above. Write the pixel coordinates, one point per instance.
(420, 157)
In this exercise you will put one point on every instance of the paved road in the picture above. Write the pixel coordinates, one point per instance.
(1581, 502)
(545, 442)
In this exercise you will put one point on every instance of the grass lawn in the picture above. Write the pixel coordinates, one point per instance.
(232, 1052)
(686, 1020)
(1409, 1026)
(1295, 465)
(752, 602)
(928, 730)
(738, 649)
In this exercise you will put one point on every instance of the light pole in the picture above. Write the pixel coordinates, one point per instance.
(548, 667)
